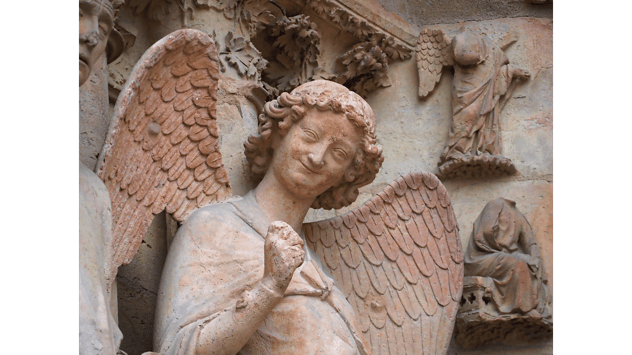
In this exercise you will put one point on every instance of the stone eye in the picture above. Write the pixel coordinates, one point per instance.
(311, 135)
(340, 152)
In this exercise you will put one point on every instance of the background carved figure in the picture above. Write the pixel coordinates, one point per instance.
(482, 78)
(98, 331)
(505, 286)
(385, 278)
(502, 247)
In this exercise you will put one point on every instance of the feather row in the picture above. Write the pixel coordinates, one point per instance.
(397, 259)
(164, 150)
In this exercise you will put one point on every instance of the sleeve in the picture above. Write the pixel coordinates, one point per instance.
(204, 274)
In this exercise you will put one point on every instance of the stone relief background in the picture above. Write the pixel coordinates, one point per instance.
(412, 132)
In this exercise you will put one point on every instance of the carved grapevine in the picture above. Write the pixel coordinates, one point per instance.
(366, 63)
(241, 54)
(297, 42)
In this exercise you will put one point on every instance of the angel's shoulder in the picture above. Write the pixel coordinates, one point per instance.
(93, 190)
(209, 215)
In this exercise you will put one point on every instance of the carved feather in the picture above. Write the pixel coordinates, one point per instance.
(433, 53)
(398, 259)
(161, 151)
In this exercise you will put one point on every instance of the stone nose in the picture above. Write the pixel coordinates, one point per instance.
(316, 160)
(91, 39)
(89, 30)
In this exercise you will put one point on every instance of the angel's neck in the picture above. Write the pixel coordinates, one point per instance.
(279, 204)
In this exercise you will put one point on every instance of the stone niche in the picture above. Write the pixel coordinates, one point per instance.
(412, 131)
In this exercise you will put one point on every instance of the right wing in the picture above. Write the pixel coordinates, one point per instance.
(433, 53)
(162, 150)
(398, 260)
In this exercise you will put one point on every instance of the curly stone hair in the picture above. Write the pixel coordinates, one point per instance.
(289, 108)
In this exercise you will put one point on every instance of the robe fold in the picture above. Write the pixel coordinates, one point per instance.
(500, 248)
(217, 254)
(476, 92)
(98, 332)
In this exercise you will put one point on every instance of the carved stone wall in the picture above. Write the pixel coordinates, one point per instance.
(429, 12)
(412, 131)
(413, 134)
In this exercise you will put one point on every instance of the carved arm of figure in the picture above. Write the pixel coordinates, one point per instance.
(509, 76)
(369, 280)
(528, 244)
(519, 73)
(229, 332)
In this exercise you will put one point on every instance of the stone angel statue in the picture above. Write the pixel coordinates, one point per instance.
(161, 152)
(246, 275)
(482, 78)
(98, 330)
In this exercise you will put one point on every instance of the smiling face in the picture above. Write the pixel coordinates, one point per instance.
(96, 19)
(316, 153)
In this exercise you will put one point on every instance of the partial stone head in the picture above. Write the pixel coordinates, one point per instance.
(469, 48)
(327, 100)
(96, 22)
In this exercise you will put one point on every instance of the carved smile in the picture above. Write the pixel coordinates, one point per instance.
(306, 167)
(83, 59)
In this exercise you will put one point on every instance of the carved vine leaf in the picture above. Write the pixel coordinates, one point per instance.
(153, 9)
(366, 63)
(366, 66)
(256, 15)
(250, 15)
(296, 43)
(319, 6)
(241, 54)
(229, 7)
(350, 23)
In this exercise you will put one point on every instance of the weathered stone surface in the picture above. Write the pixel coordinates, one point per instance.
(478, 322)
(232, 265)
(429, 12)
(98, 331)
(94, 114)
(137, 289)
(413, 131)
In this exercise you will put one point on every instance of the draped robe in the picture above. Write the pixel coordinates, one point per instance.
(98, 331)
(500, 248)
(476, 92)
(216, 255)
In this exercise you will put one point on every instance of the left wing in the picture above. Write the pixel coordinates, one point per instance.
(433, 53)
(399, 262)
(162, 150)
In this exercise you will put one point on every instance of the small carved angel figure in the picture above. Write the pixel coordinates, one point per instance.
(482, 76)
(502, 247)
(235, 282)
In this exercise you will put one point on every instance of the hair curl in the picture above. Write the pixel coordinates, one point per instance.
(289, 108)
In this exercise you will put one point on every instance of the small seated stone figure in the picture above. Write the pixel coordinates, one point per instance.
(502, 248)
(505, 290)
